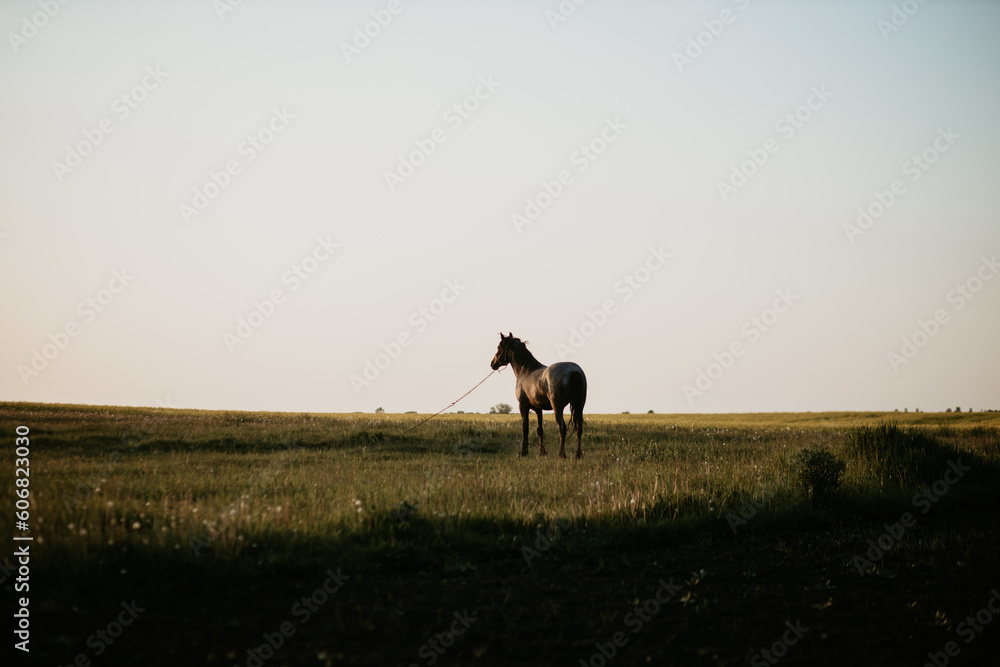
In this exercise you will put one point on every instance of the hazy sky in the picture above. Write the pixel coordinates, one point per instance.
(337, 206)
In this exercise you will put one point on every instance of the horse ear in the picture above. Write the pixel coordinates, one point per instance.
(501, 335)
(510, 335)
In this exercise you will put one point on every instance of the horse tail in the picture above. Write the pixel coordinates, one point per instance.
(580, 398)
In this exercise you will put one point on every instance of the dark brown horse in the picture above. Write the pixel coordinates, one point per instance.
(540, 387)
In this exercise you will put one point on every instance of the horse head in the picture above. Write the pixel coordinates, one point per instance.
(504, 350)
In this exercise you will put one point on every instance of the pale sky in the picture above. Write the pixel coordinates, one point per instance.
(643, 188)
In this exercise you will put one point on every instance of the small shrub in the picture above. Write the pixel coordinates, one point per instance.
(819, 472)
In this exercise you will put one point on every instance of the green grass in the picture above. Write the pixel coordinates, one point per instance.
(161, 493)
(264, 484)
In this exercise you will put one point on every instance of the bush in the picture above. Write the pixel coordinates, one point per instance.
(819, 472)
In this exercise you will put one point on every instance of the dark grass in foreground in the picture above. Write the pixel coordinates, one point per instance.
(217, 523)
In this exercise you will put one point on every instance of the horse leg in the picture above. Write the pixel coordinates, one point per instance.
(558, 410)
(577, 412)
(541, 445)
(524, 430)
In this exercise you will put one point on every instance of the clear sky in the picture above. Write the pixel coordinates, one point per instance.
(260, 206)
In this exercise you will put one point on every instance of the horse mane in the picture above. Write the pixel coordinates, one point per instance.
(522, 356)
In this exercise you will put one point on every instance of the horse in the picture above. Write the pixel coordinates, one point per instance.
(540, 387)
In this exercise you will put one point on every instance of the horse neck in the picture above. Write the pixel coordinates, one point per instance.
(524, 361)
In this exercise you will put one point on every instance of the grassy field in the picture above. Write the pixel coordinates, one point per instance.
(239, 538)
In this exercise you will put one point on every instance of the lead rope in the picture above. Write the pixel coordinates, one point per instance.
(452, 403)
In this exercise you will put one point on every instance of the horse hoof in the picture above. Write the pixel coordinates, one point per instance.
(562, 455)
(541, 454)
